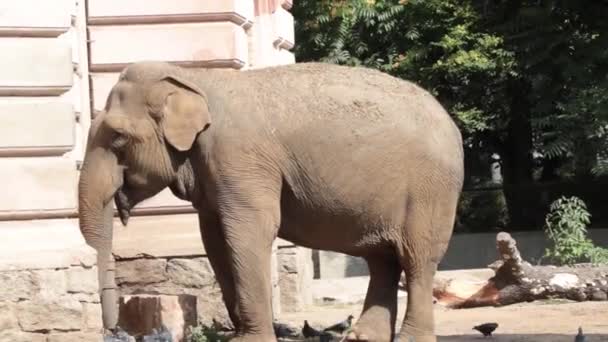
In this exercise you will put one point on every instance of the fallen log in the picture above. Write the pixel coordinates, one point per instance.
(517, 281)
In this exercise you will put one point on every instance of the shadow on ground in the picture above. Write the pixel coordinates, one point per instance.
(495, 338)
(522, 338)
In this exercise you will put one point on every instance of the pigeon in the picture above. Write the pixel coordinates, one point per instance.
(118, 335)
(486, 329)
(164, 335)
(284, 330)
(342, 326)
(309, 331)
(580, 337)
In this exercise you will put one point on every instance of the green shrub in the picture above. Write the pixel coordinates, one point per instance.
(566, 228)
(204, 334)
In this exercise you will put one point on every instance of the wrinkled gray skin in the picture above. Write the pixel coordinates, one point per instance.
(329, 157)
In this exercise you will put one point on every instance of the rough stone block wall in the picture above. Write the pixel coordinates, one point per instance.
(53, 300)
(295, 277)
(182, 291)
(65, 56)
(189, 282)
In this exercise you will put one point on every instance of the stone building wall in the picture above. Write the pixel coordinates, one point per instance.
(59, 61)
(48, 290)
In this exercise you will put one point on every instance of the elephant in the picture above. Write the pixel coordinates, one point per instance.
(331, 157)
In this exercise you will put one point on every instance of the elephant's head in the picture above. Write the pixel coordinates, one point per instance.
(151, 115)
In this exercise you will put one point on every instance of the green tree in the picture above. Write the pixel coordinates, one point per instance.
(523, 79)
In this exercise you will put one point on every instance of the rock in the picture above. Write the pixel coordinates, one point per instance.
(139, 314)
(50, 284)
(288, 262)
(141, 271)
(17, 285)
(196, 273)
(75, 337)
(82, 280)
(8, 318)
(290, 299)
(119, 335)
(84, 256)
(86, 297)
(212, 306)
(576, 294)
(91, 314)
(34, 315)
(19, 336)
(295, 278)
(598, 295)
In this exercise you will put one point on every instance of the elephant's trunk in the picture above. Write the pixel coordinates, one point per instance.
(99, 179)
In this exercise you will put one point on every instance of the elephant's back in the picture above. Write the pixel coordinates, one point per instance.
(318, 95)
(338, 104)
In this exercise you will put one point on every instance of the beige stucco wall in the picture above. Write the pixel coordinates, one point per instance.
(59, 60)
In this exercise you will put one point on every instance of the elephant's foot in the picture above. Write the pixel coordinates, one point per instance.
(411, 334)
(411, 338)
(367, 331)
(254, 338)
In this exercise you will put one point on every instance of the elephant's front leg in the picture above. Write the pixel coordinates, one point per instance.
(219, 258)
(250, 226)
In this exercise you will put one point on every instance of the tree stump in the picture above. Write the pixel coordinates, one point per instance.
(516, 281)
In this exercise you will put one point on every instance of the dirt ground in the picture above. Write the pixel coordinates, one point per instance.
(547, 321)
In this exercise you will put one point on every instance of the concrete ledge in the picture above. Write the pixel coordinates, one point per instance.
(466, 251)
(283, 29)
(160, 11)
(44, 244)
(163, 198)
(162, 236)
(117, 45)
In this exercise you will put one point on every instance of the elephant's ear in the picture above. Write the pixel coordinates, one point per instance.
(186, 113)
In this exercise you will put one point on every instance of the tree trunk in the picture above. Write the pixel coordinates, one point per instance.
(516, 281)
(517, 166)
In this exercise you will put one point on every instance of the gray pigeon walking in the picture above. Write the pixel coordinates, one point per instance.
(164, 335)
(580, 337)
(486, 329)
(283, 330)
(118, 335)
(308, 331)
(341, 327)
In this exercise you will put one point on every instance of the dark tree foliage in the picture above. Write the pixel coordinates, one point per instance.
(525, 80)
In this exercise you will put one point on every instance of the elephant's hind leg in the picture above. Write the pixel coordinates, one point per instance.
(427, 231)
(377, 321)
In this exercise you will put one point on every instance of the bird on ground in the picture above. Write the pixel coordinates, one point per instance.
(342, 326)
(486, 329)
(284, 330)
(162, 335)
(580, 337)
(118, 335)
(309, 331)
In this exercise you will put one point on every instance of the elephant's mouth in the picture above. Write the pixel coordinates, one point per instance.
(123, 205)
